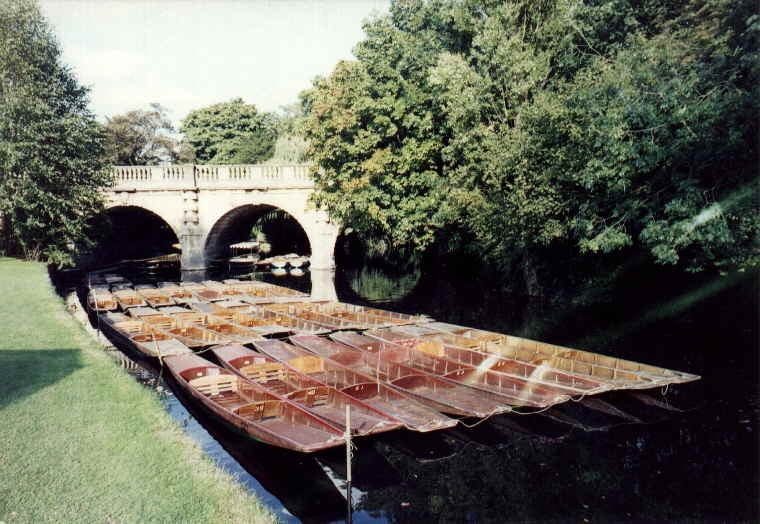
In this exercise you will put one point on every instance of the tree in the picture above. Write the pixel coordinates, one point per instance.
(144, 137)
(230, 133)
(51, 168)
(549, 130)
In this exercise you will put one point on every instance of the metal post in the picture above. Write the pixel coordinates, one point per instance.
(349, 508)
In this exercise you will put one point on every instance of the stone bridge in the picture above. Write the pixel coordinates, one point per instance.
(202, 202)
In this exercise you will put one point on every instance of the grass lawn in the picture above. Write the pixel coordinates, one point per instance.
(80, 440)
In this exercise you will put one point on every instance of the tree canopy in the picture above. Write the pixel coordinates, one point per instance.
(550, 127)
(51, 151)
(144, 137)
(230, 133)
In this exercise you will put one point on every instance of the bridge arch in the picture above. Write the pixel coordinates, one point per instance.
(235, 226)
(135, 232)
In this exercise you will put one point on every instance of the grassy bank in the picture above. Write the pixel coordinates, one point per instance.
(81, 441)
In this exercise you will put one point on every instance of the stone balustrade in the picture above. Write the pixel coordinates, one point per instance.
(198, 176)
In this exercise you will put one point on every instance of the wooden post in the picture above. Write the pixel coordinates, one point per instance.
(349, 508)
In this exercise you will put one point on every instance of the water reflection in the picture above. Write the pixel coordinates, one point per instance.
(377, 285)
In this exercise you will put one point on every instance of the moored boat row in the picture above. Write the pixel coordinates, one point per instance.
(391, 369)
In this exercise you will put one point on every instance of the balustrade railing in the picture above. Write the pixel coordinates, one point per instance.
(249, 176)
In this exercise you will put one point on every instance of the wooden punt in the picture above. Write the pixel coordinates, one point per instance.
(222, 288)
(414, 337)
(249, 408)
(100, 299)
(128, 298)
(331, 323)
(143, 311)
(618, 372)
(144, 338)
(324, 401)
(231, 305)
(440, 394)
(195, 337)
(179, 294)
(294, 324)
(192, 286)
(208, 295)
(513, 391)
(359, 315)
(232, 332)
(156, 297)
(414, 415)
(263, 328)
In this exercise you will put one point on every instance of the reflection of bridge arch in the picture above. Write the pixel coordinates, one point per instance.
(235, 225)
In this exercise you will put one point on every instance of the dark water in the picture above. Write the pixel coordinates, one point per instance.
(688, 454)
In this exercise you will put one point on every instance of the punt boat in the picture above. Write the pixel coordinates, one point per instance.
(560, 381)
(180, 294)
(294, 324)
(100, 299)
(263, 328)
(310, 315)
(252, 410)
(618, 372)
(324, 401)
(231, 332)
(414, 415)
(442, 395)
(128, 298)
(222, 288)
(142, 337)
(513, 391)
(156, 297)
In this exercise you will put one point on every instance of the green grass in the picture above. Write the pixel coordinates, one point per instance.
(80, 440)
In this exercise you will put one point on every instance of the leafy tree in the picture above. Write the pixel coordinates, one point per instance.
(51, 151)
(550, 130)
(144, 137)
(230, 133)
(290, 147)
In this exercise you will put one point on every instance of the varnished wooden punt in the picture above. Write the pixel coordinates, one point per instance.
(194, 336)
(414, 415)
(128, 298)
(143, 311)
(512, 391)
(560, 381)
(294, 324)
(100, 299)
(250, 408)
(179, 294)
(324, 401)
(156, 297)
(361, 317)
(618, 372)
(442, 395)
(232, 332)
(261, 327)
(329, 322)
(141, 337)
(224, 289)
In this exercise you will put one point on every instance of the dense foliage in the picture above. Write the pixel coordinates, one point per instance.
(230, 133)
(145, 137)
(549, 130)
(50, 145)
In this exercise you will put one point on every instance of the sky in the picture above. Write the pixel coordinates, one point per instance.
(187, 54)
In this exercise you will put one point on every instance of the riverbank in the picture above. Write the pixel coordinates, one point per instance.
(81, 441)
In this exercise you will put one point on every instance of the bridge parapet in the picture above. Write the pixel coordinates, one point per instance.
(248, 176)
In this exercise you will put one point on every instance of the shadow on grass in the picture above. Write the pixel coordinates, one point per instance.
(24, 372)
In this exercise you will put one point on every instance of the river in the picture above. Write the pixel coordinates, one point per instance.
(688, 453)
